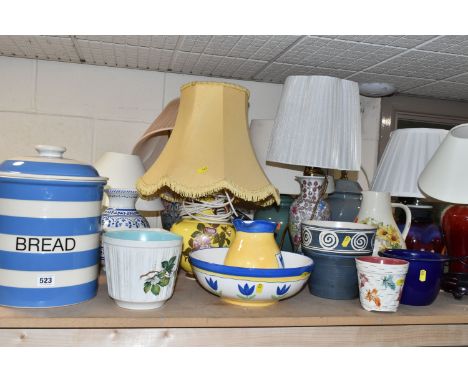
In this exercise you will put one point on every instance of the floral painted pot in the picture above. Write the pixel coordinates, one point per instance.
(250, 287)
(380, 282)
(197, 235)
(338, 238)
(309, 200)
(141, 266)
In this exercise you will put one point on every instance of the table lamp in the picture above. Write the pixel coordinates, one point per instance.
(281, 176)
(123, 171)
(317, 126)
(208, 164)
(445, 178)
(404, 158)
(150, 145)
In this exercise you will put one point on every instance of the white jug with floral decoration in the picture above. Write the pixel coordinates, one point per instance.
(376, 210)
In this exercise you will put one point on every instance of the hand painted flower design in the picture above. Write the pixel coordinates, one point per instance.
(208, 237)
(387, 235)
(372, 295)
(157, 279)
(388, 282)
(201, 242)
(212, 283)
(283, 290)
(246, 290)
(362, 279)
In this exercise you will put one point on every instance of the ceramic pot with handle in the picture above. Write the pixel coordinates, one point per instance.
(376, 210)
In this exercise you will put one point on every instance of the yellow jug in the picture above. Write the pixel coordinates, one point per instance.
(254, 246)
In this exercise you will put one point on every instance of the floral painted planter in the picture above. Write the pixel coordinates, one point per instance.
(141, 266)
(381, 282)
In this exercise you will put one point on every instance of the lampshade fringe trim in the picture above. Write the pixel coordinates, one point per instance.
(266, 196)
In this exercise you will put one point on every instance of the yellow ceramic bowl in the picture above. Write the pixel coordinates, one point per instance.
(250, 286)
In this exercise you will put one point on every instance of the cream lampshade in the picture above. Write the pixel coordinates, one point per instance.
(123, 170)
(151, 210)
(405, 156)
(208, 159)
(318, 124)
(445, 177)
(152, 142)
(209, 149)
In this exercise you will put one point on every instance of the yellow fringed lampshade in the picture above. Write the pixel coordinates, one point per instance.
(209, 149)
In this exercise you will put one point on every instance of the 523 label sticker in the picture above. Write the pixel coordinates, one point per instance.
(46, 281)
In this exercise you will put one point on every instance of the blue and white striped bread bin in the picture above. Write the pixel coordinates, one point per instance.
(50, 210)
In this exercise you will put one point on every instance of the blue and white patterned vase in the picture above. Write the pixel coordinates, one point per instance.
(303, 206)
(121, 213)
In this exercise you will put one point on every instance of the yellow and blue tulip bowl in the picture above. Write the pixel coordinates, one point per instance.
(250, 287)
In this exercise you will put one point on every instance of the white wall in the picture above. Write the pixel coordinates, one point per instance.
(94, 109)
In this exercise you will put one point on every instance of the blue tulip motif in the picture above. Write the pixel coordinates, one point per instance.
(212, 283)
(246, 290)
(283, 290)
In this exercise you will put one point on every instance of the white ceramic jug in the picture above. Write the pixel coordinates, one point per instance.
(376, 210)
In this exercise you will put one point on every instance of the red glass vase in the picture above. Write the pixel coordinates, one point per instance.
(455, 230)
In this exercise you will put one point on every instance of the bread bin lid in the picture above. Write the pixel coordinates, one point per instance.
(49, 165)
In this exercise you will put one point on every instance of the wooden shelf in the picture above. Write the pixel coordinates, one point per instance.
(195, 317)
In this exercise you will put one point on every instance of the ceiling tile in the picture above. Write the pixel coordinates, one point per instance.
(193, 44)
(401, 83)
(462, 78)
(238, 68)
(213, 45)
(442, 89)
(160, 42)
(388, 40)
(124, 56)
(195, 63)
(433, 66)
(337, 54)
(41, 47)
(278, 72)
(261, 47)
(221, 45)
(448, 44)
(209, 65)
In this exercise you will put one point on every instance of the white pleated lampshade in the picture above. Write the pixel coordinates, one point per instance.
(445, 176)
(280, 175)
(318, 124)
(403, 160)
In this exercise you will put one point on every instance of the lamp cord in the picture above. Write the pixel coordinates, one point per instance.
(221, 205)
